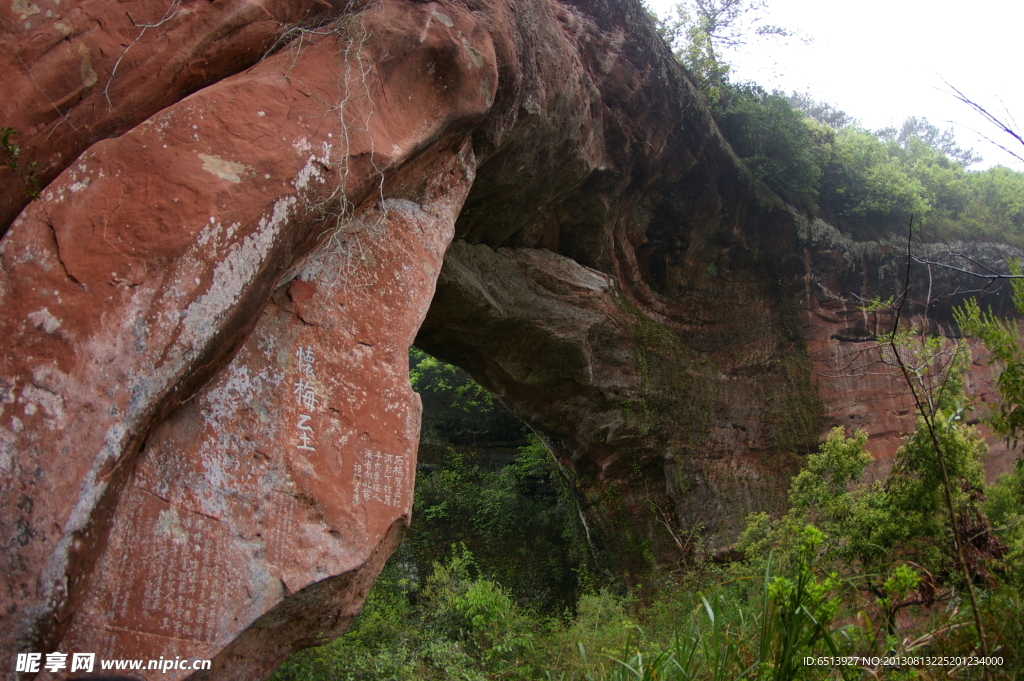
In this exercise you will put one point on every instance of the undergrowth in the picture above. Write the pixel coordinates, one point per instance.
(854, 581)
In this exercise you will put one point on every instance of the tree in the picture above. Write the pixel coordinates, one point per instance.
(430, 375)
(822, 112)
(1002, 338)
(702, 28)
(939, 140)
(865, 186)
(776, 144)
(1001, 191)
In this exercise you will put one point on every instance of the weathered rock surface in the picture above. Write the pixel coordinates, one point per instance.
(562, 344)
(630, 292)
(146, 265)
(77, 72)
(294, 468)
(208, 313)
(857, 380)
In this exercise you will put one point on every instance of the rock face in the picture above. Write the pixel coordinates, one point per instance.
(78, 72)
(857, 380)
(207, 435)
(150, 263)
(284, 484)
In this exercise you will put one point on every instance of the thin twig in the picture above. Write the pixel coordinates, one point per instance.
(171, 12)
(991, 118)
(980, 275)
(928, 418)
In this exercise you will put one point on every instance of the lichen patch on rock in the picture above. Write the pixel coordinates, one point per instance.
(226, 170)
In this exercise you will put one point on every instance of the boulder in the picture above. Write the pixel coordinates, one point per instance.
(82, 71)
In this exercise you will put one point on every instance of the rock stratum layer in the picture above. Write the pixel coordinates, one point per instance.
(207, 435)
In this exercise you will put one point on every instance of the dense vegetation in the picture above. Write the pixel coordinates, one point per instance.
(494, 580)
(865, 182)
(870, 183)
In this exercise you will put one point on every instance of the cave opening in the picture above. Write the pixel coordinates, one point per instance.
(487, 491)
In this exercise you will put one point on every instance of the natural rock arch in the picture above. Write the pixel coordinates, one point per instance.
(206, 429)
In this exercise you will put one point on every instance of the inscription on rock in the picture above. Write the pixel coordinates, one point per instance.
(291, 465)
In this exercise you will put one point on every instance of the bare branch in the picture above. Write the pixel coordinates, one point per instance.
(991, 118)
(980, 275)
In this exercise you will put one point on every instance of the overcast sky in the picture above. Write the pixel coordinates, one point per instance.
(884, 60)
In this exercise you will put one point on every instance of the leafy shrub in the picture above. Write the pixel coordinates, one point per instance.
(430, 375)
(775, 143)
(518, 522)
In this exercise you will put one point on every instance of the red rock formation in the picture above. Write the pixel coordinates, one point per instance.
(293, 469)
(77, 72)
(209, 310)
(859, 383)
(146, 265)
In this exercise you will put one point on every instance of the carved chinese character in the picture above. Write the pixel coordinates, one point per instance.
(305, 391)
(305, 354)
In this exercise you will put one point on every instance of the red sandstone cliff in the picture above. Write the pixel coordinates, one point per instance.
(207, 435)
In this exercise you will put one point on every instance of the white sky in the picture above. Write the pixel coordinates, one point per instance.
(882, 61)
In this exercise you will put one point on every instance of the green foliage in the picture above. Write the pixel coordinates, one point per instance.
(822, 112)
(1002, 339)
(894, 593)
(757, 619)
(1004, 505)
(1005, 500)
(823, 486)
(776, 144)
(12, 159)
(513, 601)
(359, 655)
(1001, 192)
(602, 629)
(815, 156)
(920, 131)
(902, 517)
(918, 520)
(474, 612)
(863, 184)
(871, 184)
(460, 627)
(820, 493)
(723, 635)
(798, 611)
(517, 520)
(700, 30)
(430, 375)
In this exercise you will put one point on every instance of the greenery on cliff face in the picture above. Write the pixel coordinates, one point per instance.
(431, 377)
(867, 183)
